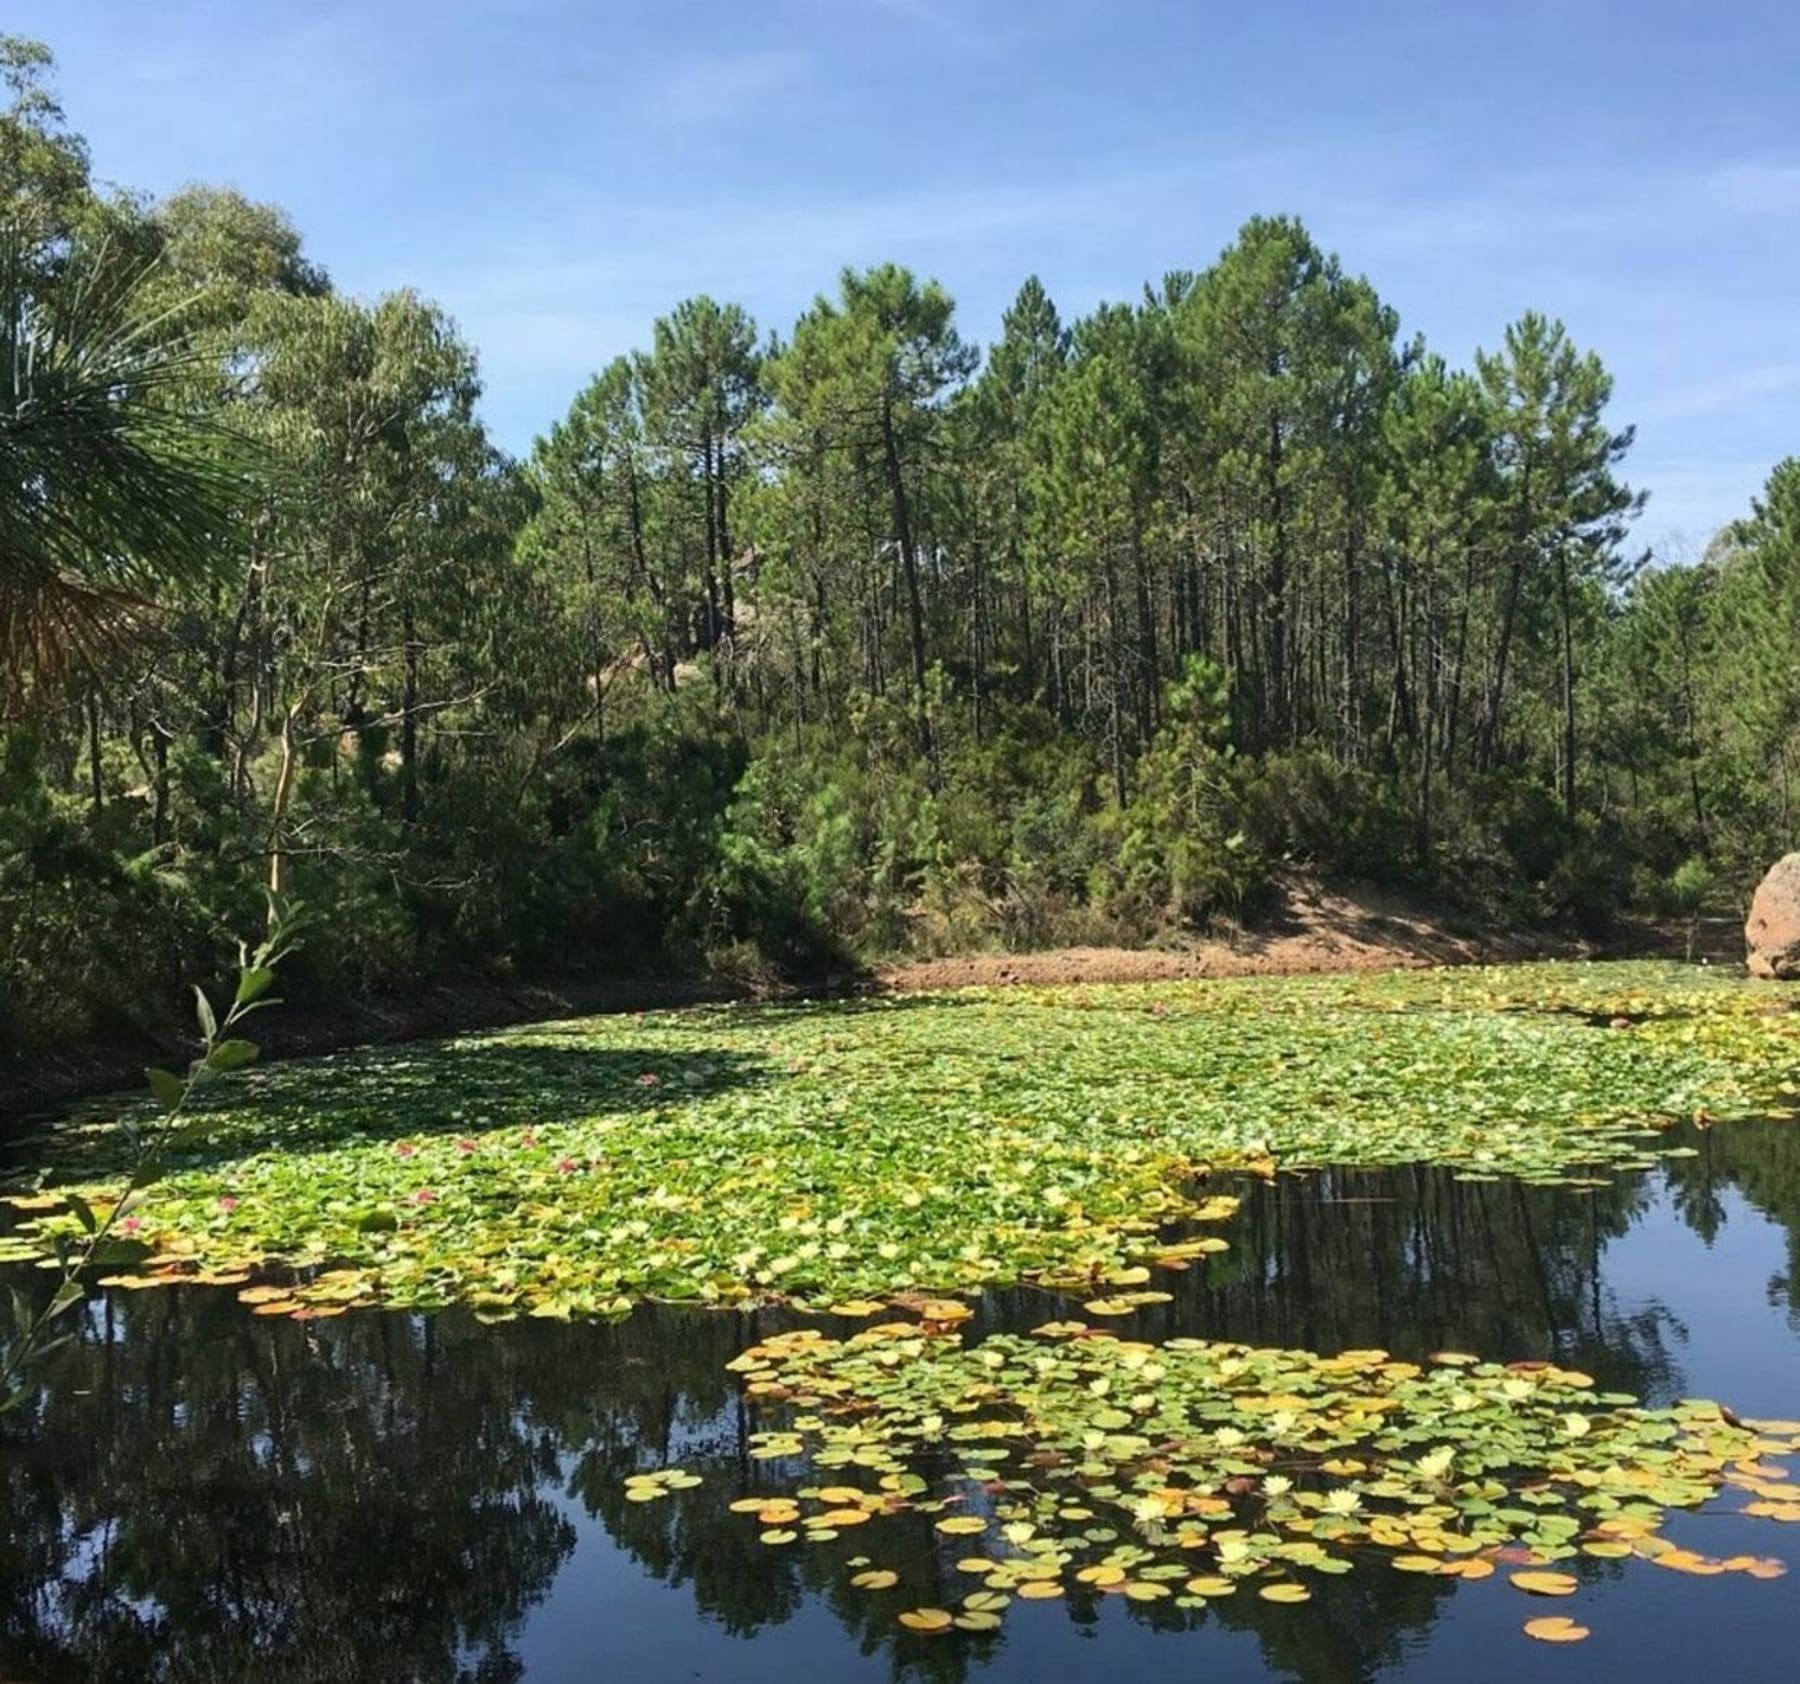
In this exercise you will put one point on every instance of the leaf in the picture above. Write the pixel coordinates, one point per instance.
(170, 1090)
(117, 1252)
(1138, 1590)
(1554, 1628)
(880, 1578)
(231, 1055)
(253, 983)
(1546, 1584)
(64, 1299)
(927, 1620)
(977, 1622)
(84, 1212)
(1210, 1584)
(209, 1025)
(1285, 1593)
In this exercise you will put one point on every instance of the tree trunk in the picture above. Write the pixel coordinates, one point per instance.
(281, 799)
(1568, 683)
(409, 722)
(909, 570)
(96, 775)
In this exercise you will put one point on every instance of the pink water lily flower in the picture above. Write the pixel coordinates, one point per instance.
(406, 1148)
(424, 1196)
(649, 1079)
(528, 1138)
(566, 1166)
(465, 1146)
(228, 1204)
(130, 1225)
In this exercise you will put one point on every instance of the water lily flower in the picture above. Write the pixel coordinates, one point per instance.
(566, 1166)
(528, 1138)
(406, 1149)
(424, 1196)
(465, 1146)
(130, 1225)
(228, 1204)
(649, 1079)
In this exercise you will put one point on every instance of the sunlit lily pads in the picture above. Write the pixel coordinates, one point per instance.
(853, 1154)
(1193, 1469)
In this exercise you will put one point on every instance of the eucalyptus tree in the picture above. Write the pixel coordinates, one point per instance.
(228, 249)
(45, 190)
(371, 411)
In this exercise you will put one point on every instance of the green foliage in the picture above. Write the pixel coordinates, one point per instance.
(790, 652)
(114, 482)
(1182, 851)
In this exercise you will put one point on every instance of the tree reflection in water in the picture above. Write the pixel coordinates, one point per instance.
(209, 1496)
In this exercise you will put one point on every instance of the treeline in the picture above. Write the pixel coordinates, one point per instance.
(785, 646)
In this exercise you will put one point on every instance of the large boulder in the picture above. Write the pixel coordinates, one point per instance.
(1772, 931)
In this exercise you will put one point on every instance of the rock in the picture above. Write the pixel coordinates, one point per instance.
(1772, 932)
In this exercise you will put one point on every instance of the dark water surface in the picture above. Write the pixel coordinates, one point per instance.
(206, 1495)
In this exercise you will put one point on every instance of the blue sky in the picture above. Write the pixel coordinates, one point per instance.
(558, 173)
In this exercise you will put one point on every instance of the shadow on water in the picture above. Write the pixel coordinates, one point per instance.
(443, 1087)
(201, 1495)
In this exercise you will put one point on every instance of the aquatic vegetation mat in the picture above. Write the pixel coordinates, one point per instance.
(844, 1152)
(1072, 1463)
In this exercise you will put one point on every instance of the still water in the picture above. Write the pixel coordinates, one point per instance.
(209, 1496)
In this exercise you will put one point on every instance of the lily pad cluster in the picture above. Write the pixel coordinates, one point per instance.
(1071, 1462)
(845, 1152)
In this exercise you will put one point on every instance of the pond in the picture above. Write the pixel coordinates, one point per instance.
(206, 1494)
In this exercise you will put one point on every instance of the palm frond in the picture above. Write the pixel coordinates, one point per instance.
(118, 484)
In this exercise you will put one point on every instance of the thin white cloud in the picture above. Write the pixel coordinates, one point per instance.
(715, 90)
(1725, 392)
(941, 21)
(1757, 189)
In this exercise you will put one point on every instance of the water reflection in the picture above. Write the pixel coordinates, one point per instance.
(206, 1495)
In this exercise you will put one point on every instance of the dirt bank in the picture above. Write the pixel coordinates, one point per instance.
(1314, 931)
